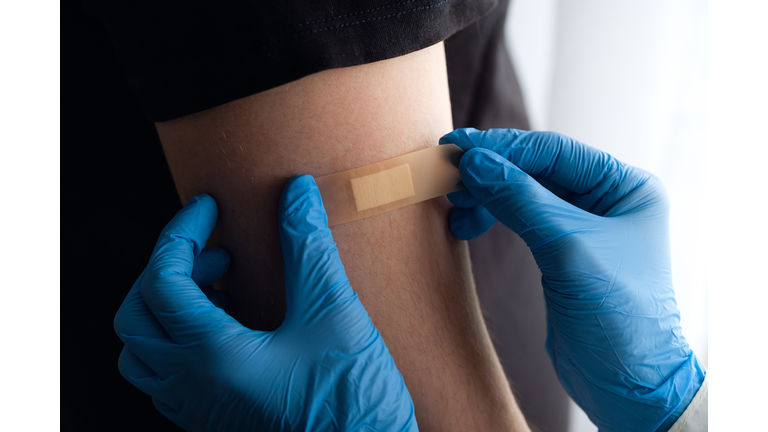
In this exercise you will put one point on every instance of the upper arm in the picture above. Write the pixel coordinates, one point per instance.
(413, 277)
(243, 152)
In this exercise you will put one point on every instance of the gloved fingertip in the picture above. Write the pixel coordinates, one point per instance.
(205, 202)
(301, 181)
(301, 206)
(200, 198)
(480, 165)
(193, 223)
(493, 181)
(464, 138)
(470, 223)
(479, 155)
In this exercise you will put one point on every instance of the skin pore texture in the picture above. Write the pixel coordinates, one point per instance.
(413, 277)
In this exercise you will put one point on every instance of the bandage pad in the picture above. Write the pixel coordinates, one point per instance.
(373, 189)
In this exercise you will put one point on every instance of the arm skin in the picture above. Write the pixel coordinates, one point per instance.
(413, 277)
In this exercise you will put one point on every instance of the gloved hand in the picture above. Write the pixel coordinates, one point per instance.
(325, 368)
(598, 230)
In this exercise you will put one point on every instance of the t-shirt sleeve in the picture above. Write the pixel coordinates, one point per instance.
(184, 57)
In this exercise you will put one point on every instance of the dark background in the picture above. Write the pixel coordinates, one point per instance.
(117, 195)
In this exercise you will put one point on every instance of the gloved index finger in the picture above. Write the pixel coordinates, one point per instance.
(168, 289)
(596, 179)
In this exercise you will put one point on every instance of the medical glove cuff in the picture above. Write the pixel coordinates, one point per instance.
(688, 379)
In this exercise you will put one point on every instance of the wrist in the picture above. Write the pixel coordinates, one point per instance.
(687, 381)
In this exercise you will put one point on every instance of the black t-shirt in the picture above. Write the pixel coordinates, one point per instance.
(185, 57)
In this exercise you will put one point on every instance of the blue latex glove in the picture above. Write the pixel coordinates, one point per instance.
(325, 368)
(599, 234)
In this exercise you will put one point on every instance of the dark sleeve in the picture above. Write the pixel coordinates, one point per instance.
(184, 57)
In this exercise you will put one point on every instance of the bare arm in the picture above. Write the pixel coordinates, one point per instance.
(413, 277)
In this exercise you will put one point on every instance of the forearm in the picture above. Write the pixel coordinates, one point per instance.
(413, 277)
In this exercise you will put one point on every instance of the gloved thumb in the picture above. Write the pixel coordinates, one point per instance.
(517, 200)
(315, 279)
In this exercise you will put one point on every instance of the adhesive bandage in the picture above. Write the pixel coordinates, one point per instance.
(373, 189)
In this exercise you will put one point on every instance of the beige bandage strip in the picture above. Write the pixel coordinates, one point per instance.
(370, 190)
